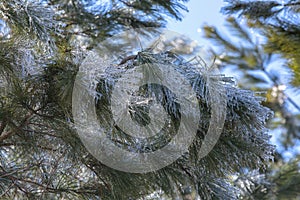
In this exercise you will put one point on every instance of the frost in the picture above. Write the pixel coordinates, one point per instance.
(252, 182)
(4, 29)
(32, 16)
(243, 140)
(245, 116)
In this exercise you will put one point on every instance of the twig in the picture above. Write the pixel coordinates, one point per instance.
(2, 126)
(124, 60)
(276, 83)
(7, 134)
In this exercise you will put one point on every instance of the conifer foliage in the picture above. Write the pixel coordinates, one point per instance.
(42, 46)
(267, 60)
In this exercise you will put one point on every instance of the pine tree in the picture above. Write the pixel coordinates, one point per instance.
(42, 156)
(266, 56)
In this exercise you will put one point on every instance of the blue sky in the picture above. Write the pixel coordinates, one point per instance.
(200, 13)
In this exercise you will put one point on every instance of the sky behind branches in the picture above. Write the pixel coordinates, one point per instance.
(200, 13)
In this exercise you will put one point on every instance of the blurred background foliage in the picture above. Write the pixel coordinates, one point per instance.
(261, 46)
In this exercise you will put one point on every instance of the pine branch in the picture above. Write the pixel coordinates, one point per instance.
(3, 126)
(25, 122)
(213, 34)
(292, 4)
(276, 83)
(280, 182)
(34, 17)
(239, 30)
